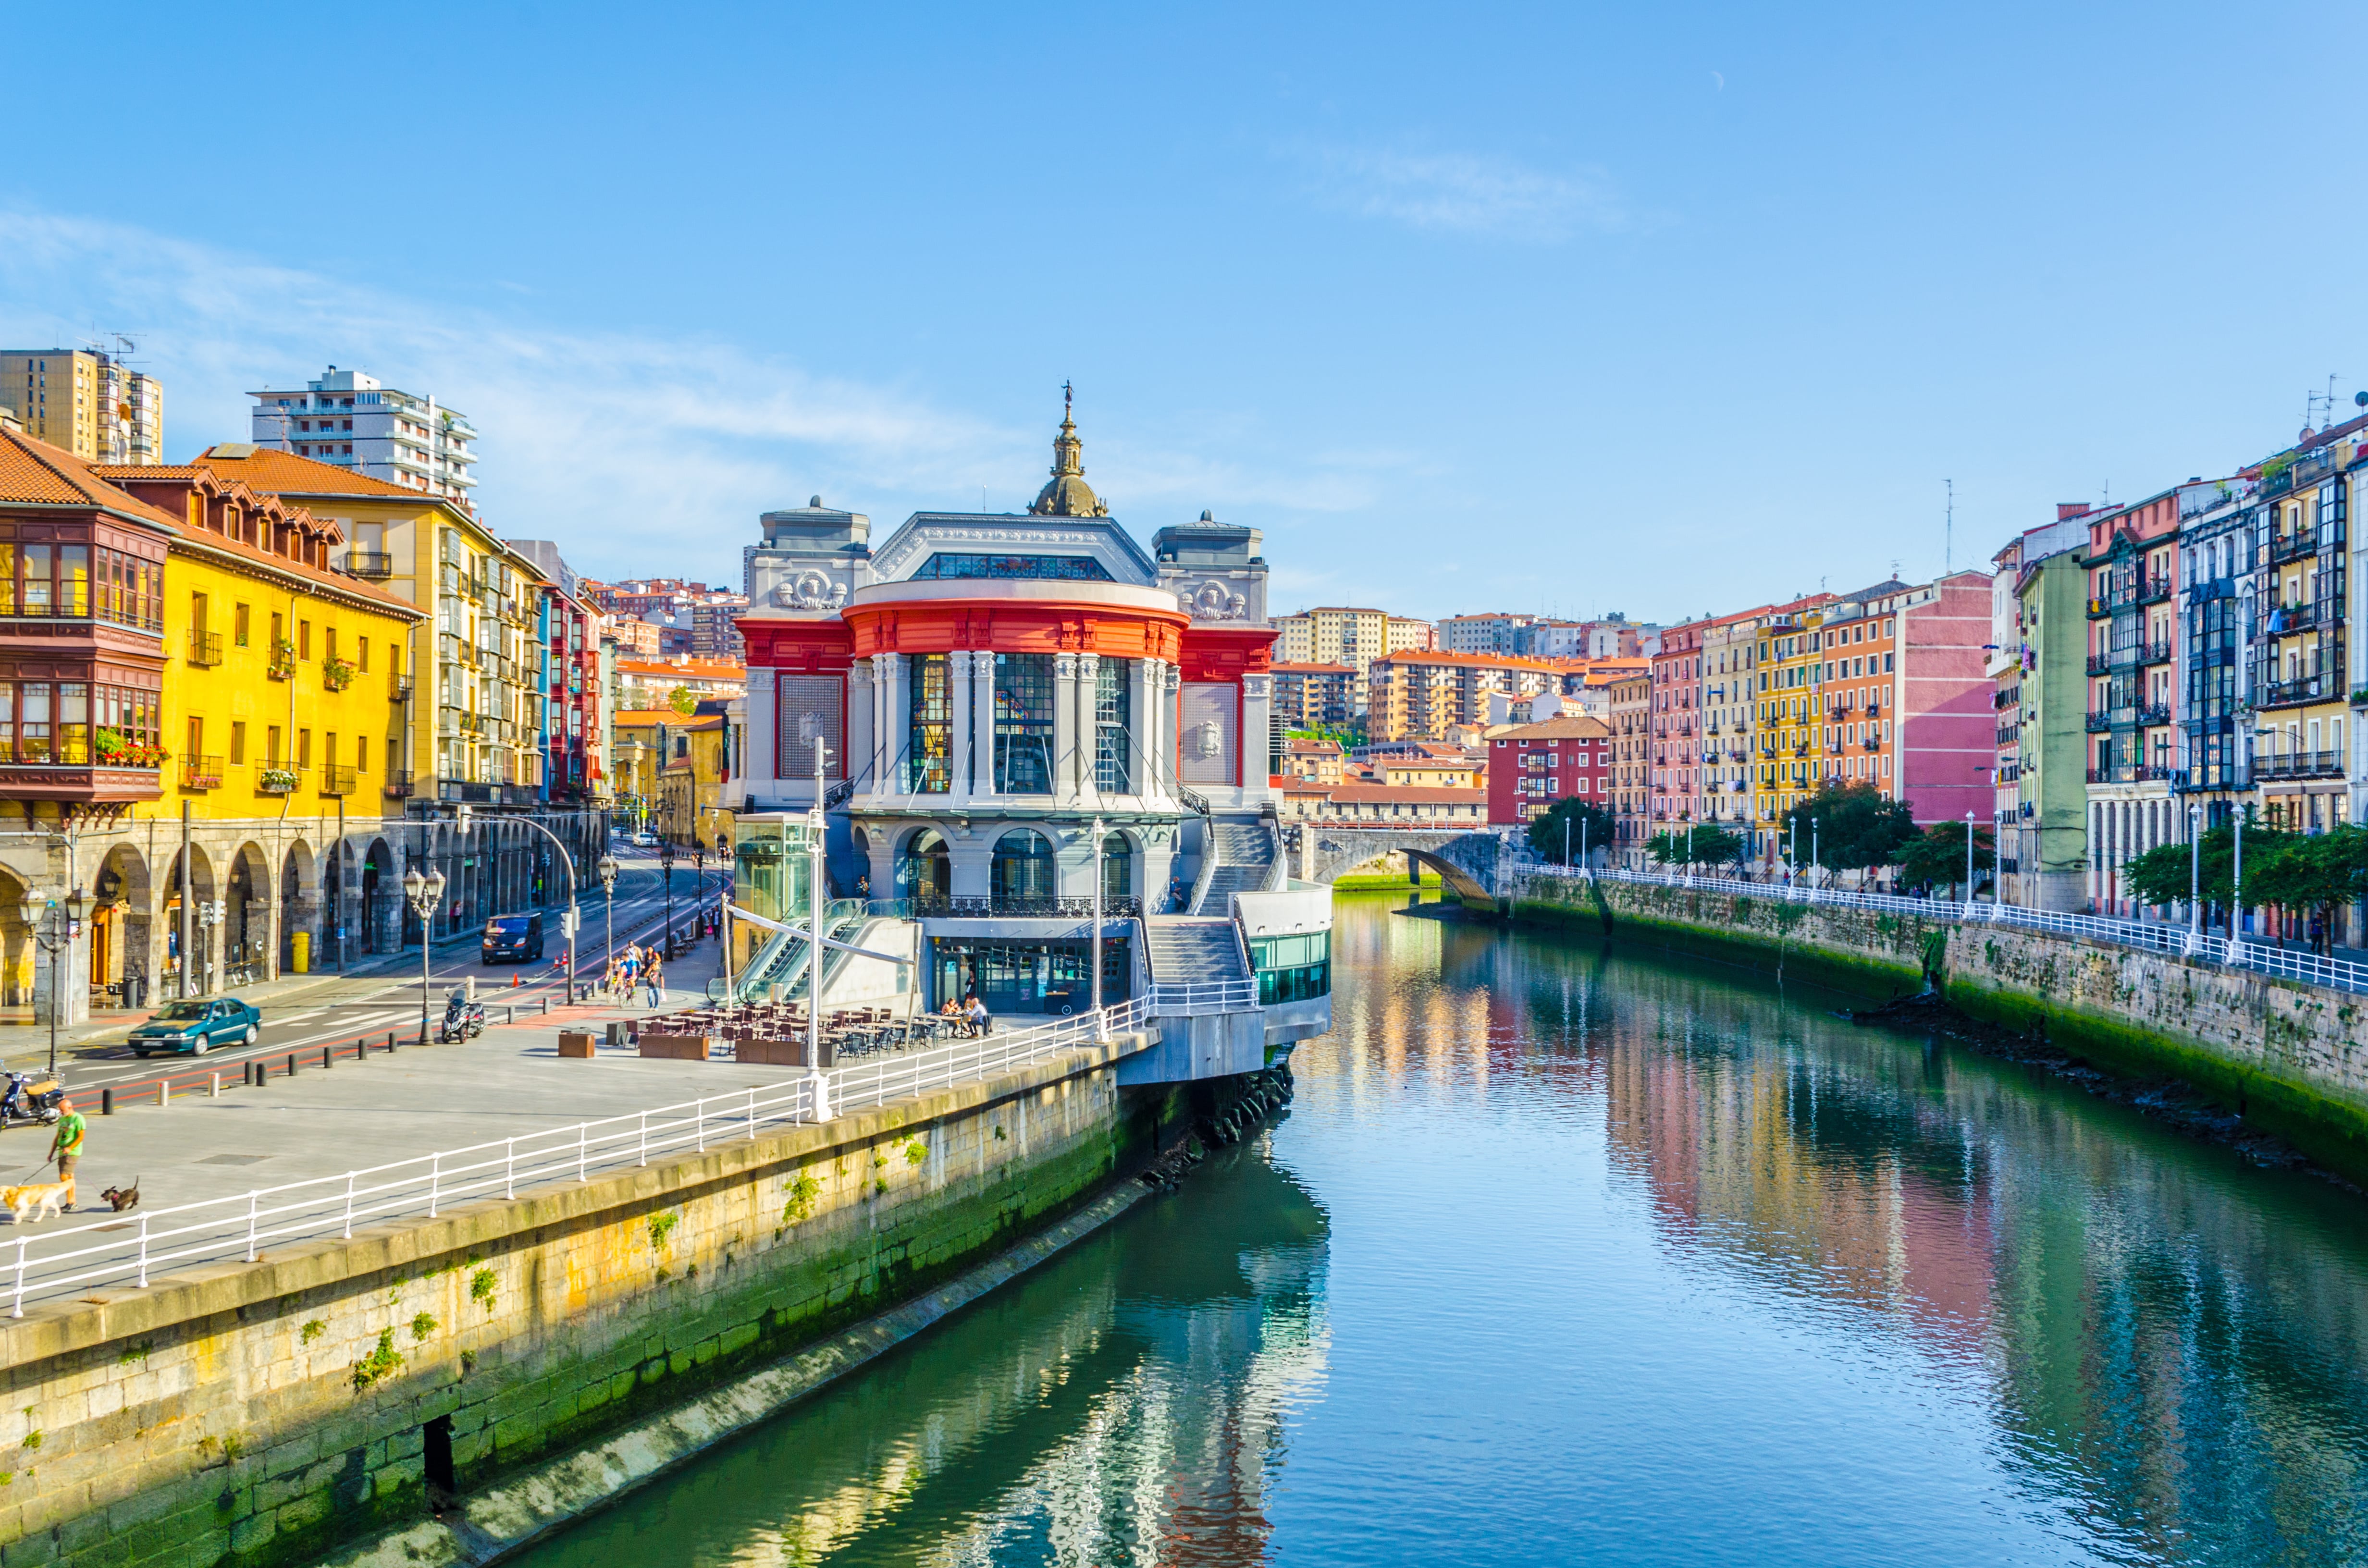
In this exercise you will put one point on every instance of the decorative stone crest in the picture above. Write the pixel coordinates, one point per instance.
(809, 589)
(1213, 600)
(1208, 739)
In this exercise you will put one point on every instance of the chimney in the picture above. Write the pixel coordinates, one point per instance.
(2069, 509)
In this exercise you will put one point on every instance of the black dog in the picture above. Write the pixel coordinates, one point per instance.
(120, 1199)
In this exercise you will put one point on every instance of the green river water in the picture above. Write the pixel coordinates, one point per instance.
(1565, 1254)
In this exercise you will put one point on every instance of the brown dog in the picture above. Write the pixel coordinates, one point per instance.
(40, 1200)
(120, 1199)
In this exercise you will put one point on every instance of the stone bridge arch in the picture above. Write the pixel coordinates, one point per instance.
(1464, 860)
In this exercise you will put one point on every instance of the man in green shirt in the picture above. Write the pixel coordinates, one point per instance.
(66, 1147)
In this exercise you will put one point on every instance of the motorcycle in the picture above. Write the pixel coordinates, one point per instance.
(30, 1096)
(462, 1018)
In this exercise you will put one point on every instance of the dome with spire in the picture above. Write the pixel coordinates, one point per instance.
(1068, 496)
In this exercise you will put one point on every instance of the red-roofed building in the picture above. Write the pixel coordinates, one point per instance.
(1532, 766)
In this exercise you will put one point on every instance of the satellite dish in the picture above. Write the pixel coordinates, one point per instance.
(2359, 400)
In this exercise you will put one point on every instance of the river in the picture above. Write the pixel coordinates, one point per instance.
(1569, 1255)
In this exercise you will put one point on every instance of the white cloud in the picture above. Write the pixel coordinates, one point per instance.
(1467, 194)
(638, 455)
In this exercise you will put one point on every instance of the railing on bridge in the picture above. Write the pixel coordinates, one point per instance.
(2149, 935)
(226, 1229)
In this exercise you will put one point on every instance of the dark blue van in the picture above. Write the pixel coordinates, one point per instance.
(513, 938)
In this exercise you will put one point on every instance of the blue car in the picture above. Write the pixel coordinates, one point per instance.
(197, 1026)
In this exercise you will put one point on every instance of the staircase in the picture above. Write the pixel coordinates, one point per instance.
(783, 961)
(1243, 855)
(1183, 950)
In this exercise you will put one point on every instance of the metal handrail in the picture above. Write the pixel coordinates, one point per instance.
(237, 1227)
(2149, 935)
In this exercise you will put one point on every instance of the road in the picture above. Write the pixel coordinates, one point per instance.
(336, 1011)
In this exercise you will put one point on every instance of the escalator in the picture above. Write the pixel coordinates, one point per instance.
(783, 960)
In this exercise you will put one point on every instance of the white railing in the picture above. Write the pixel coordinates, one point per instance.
(1198, 1000)
(120, 1252)
(2151, 936)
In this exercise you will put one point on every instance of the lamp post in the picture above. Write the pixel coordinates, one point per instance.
(607, 869)
(818, 868)
(1101, 1022)
(1969, 865)
(570, 919)
(2195, 870)
(2237, 896)
(64, 929)
(1813, 852)
(665, 864)
(423, 894)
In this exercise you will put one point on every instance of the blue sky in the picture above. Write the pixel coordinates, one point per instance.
(1663, 310)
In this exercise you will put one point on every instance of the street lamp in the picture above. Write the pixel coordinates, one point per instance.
(607, 869)
(36, 913)
(2195, 871)
(423, 894)
(1101, 1022)
(1969, 865)
(666, 863)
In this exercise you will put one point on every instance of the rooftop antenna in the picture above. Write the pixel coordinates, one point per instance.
(1949, 532)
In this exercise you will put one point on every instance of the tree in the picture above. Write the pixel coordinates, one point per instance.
(1548, 833)
(2314, 872)
(682, 701)
(1708, 847)
(1936, 858)
(1857, 829)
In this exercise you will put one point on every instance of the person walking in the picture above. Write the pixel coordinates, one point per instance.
(655, 978)
(66, 1148)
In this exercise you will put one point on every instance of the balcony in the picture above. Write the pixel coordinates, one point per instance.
(201, 773)
(398, 688)
(398, 784)
(2302, 542)
(2154, 589)
(336, 780)
(2154, 653)
(2100, 663)
(278, 779)
(2098, 722)
(375, 564)
(2303, 688)
(283, 663)
(2154, 713)
(2299, 764)
(205, 649)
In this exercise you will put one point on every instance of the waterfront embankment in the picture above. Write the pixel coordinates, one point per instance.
(2290, 1058)
(264, 1413)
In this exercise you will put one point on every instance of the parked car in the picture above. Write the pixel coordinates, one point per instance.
(512, 939)
(197, 1026)
(645, 841)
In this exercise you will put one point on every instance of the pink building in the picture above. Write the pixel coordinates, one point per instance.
(1947, 741)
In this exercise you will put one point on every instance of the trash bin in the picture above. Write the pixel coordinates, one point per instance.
(135, 991)
(300, 954)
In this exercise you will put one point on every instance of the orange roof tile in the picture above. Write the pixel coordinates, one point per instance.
(191, 475)
(699, 669)
(33, 471)
(268, 468)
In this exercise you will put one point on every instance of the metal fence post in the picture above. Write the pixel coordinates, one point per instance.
(510, 1169)
(435, 1179)
(583, 1135)
(699, 1122)
(349, 1205)
(252, 1199)
(19, 1309)
(144, 1252)
(752, 1113)
(645, 1138)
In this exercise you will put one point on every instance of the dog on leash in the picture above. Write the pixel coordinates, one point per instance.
(120, 1199)
(37, 1200)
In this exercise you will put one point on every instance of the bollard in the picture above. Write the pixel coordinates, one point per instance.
(327, 1060)
(107, 1102)
(164, 1093)
(389, 1040)
(291, 1065)
(546, 1003)
(213, 1090)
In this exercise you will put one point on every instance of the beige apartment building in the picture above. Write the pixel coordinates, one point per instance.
(1334, 634)
(92, 404)
(1422, 695)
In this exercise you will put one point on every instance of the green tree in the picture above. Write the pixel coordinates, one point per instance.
(1857, 829)
(682, 701)
(2313, 872)
(1580, 823)
(1709, 847)
(1936, 858)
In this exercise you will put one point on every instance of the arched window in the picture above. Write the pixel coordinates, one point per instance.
(1118, 868)
(923, 872)
(1023, 868)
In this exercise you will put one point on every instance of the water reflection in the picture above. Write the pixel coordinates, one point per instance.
(1122, 1405)
(1570, 1255)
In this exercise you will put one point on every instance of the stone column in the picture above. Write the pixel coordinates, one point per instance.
(958, 698)
(982, 721)
(1089, 681)
(856, 749)
(884, 670)
(1257, 705)
(1142, 710)
(1064, 730)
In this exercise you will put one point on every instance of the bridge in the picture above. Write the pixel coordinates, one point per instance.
(1464, 860)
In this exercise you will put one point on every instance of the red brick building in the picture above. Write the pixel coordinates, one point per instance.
(1533, 765)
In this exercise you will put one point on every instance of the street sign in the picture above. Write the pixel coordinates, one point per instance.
(570, 921)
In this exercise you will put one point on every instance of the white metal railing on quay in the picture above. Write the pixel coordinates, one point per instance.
(1198, 1001)
(2151, 936)
(127, 1252)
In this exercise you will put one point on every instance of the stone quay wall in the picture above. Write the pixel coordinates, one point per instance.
(261, 1413)
(2291, 1058)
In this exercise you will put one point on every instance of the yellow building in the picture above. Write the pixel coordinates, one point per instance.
(475, 712)
(676, 766)
(91, 404)
(1789, 743)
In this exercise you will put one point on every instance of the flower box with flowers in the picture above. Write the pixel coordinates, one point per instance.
(277, 780)
(338, 674)
(117, 750)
